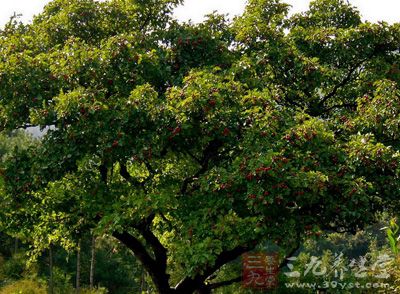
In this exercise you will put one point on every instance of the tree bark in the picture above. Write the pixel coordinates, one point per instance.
(78, 268)
(15, 245)
(156, 267)
(51, 279)
(92, 262)
(142, 281)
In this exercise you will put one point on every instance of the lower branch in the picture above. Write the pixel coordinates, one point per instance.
(189, 285)
(224, 283)
(157, 273)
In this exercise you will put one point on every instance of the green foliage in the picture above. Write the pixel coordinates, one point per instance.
(392, 232)
(191, 143)
(24, 287)
(14, 268)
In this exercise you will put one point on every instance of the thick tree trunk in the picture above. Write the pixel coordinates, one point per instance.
(78, 268)
(92, 262)
(157, 266)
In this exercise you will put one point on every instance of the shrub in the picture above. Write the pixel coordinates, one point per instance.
(24, 287)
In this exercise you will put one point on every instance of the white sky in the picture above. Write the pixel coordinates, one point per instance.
(372, 10)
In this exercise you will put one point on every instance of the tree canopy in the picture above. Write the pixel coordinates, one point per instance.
(195, 143)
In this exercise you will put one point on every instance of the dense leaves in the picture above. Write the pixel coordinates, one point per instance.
(194, 143)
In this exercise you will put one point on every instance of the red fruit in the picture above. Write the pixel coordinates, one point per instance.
(223, 186)
(115, 144)
(266, 193)
(263, 169)
(110, 82)
(252, 196)
(249, 176)
(283, 186)
(177, 130)
(82, 110)
(308, 227)
(212, 103)
(263, 134)
(226, 132)
(317, 234)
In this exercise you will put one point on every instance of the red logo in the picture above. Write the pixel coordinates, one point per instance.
(260, 270)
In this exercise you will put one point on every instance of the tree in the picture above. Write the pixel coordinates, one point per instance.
(194, 143)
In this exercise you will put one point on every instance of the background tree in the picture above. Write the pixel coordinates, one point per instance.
(192, 144)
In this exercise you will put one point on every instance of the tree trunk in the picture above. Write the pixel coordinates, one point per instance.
(142, 281)
(78, 268)
(156, 266)
(15, 245)
(51, 280)
(92, 262)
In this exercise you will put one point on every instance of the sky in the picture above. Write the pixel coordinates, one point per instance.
(372, 10)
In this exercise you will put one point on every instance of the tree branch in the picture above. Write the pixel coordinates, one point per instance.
(344, 82)
(188, 285)
(160, 252)
(103, 172)
(349, 105)
(224, 283)
(150, 169)
(158, 274)
(209, 152)
(123, 171)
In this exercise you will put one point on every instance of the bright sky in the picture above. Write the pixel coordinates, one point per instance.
(372, 10)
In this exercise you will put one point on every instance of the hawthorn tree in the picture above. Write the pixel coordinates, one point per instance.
(195, 143)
